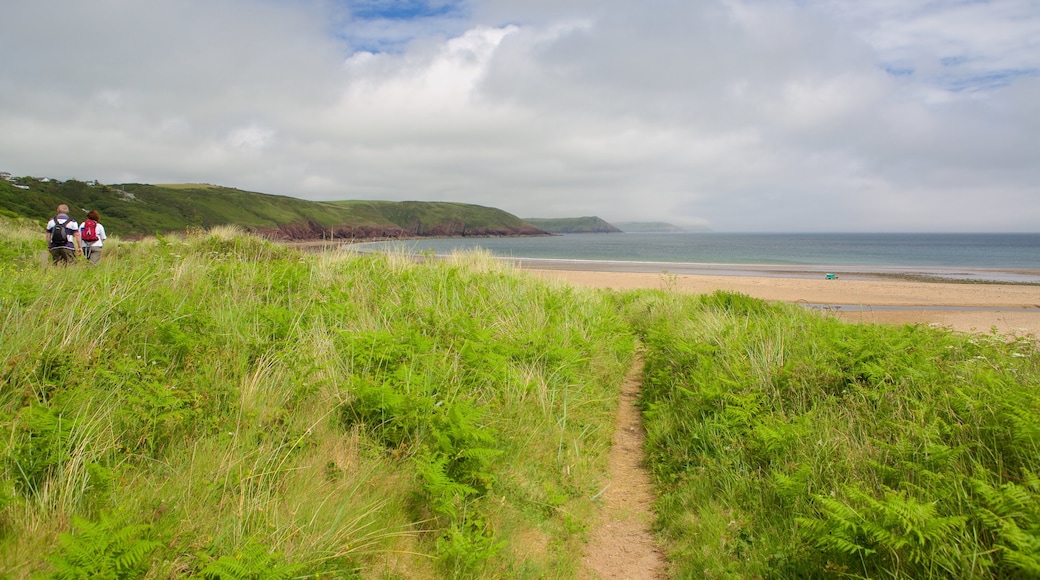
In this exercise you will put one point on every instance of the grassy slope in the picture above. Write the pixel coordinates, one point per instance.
(170, 208)
(789, 445)
(216, 404)
(426, 214)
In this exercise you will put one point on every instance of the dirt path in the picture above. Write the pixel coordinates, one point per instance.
(622, 546)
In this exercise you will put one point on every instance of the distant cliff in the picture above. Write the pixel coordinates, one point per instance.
(580, 225)
(135, 209)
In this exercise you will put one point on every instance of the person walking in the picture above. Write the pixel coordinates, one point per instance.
(63, 237)
(93, 235)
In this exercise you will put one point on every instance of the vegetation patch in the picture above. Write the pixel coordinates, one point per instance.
(787, 444)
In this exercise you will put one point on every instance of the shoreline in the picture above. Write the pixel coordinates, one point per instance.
(975, 300)
(1009, 309)
(911, 273)
(981, 262)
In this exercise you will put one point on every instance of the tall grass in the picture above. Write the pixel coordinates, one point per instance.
(216, 406)
(787, 444)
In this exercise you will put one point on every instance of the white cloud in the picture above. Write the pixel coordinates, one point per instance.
(441, 79)
(251, 138)
(738, 114)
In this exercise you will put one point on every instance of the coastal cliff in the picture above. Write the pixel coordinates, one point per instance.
(133, 210)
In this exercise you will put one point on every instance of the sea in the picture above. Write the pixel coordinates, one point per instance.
(1010, 257)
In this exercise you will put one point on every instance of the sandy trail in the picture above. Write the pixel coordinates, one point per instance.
(621, 546)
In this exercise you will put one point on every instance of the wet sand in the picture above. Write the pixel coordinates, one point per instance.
(1011, 309)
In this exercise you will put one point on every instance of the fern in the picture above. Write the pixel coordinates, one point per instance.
(908, 529)
(466, 546)
(1012, 515)
(467, 446)
(840, 530)
(253, 562)
(157, 410)
(41, 447)
(445, 494)
(897, 532)
(104, 549)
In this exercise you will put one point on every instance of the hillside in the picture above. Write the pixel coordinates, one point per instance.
(579, 225)
(135, 209)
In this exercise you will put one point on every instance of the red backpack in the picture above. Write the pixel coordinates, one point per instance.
(88, 233)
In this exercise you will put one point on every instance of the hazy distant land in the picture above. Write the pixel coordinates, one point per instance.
(656, 228)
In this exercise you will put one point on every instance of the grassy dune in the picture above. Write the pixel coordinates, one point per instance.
(216, 406)
(220, 407)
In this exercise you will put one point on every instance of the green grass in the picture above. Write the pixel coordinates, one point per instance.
(786, 444)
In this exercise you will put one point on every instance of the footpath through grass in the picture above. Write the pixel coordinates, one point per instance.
(220, 407)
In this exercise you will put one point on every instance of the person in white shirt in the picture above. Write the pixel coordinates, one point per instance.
(63, 237)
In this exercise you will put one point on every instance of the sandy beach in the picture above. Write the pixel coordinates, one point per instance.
(1011, 309)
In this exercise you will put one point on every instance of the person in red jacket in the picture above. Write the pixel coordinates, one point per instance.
(93, 235)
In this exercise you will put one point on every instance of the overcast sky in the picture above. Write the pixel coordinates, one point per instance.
(737, 115)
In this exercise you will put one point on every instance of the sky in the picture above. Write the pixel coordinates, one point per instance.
(732, 115)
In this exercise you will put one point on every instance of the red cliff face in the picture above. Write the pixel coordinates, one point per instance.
(311, 231)
(459, 229)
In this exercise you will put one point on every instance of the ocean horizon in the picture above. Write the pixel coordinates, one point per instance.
(1000, 257)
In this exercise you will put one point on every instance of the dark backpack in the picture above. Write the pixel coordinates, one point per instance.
(89, 231)
(59, 233)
